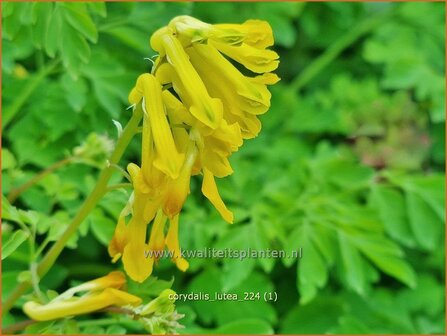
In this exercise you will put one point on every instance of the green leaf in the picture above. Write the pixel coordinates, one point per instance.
(75, 91)
(130, 36)
(17, 238)
(98, 7)
(9, 211)
(40, 327)
(312, 273)
(353, 266)
(236, 269)
(393, 213)
(115, 330)
(74, 49)
(78, 17)
(225, 311)
(245, 326)
(348, 175)
(42, 13)
(109, 87)
(53, 34)
(301, 319)
(425, 224)
(350, 325)
(393, 266)
(102, 227)
(8, 160)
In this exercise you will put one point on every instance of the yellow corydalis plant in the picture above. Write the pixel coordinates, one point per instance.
(97, 294)
(197, 110)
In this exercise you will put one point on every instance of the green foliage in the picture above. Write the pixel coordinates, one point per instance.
(350, 169)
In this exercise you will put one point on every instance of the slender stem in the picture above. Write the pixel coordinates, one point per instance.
(9, 330)
(336, 49)
(10, 111)
(35, 282)
(119, 186)
(15, 193)
(41, 247)
(88, 205)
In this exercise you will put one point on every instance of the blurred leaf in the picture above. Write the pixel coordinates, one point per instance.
(301, 319)
(17, 238)
(102, 227)
(77, 15)
(236, 269)
(245, 326)
(425, 224)
(8, 160)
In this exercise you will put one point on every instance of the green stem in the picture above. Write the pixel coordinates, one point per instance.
(98, 322)
(88, 205)
(119, 186)
(10, 111)
(14, 193)
(335, 49)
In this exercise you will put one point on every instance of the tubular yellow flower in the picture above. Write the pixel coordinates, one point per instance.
(168, 159)
(136, 264)
(256, 60)
(234, 104)
(174, 246)
(179, 188)
(256, 33)
(120, 237)
(157, 239)
(255, 97)
(206, 109)
(100, 293)
(84, 305)
(176, 109)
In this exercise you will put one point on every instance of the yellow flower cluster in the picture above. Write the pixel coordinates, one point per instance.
(97, 294)
(198, 108)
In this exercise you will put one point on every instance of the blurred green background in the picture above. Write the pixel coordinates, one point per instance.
(349, 165)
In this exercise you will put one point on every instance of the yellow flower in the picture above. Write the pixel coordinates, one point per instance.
(208, 110)
(120, 237)
(209, 189)
(254, 97)
(178, 189)
(256, 33)
(168, 159)
(136, 264)
(100, 293)
(256, 60)
(198, 108)
(172, 242)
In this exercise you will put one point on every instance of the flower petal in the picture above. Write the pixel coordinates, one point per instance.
(209, 189)
(179, 188)
(168, 159)
(136, 264)
(256, 60)
(173, 244)
(206, 109)
(255, 97)
(87, 304)
(256, 33)
(157, 238)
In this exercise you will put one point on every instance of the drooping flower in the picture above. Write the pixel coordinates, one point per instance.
(198, 108)
(97, 294)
